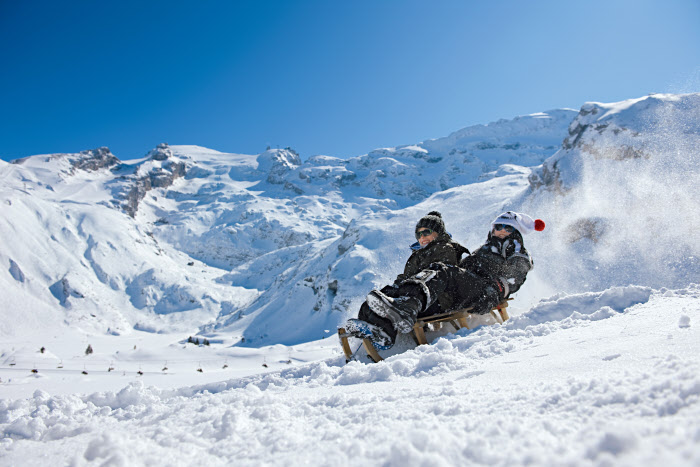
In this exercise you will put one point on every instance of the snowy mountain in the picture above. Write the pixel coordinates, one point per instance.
(265, 255)
(191, 237)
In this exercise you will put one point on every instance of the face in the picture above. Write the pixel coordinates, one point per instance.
(501, 230)
(425, 236)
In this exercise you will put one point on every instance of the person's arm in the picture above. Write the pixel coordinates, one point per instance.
(409, 269)
(515, 272)
(438, 252)
(483, 262)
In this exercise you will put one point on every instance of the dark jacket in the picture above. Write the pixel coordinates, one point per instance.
(441, 250)
(504, 262)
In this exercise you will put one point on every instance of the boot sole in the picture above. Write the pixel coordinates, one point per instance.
(385, 309)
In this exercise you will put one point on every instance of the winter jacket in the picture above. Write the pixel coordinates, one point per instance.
(441, 250)
(504, 262)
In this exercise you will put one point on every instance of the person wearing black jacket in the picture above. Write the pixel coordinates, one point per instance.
(434, 245)
(481, 281)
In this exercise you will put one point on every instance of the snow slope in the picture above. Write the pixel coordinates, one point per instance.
(607, 378)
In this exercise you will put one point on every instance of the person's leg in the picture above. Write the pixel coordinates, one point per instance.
(370, 317)
(368, 325)
(471, 290)
(414, 296)
(433, 309)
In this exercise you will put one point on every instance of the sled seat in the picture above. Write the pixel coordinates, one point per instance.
(461, 318)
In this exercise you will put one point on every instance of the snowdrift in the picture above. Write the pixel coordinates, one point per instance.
(608, 377)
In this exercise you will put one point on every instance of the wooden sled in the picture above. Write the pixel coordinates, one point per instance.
(462, 318)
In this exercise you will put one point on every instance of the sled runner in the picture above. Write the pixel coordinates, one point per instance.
(366, 343)
(462, 318)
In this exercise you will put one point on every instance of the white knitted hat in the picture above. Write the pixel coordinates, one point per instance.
(521, 222)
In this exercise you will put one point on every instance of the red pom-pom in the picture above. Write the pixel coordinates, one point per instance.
(539, 225)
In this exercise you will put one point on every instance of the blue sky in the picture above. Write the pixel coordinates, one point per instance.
(324, 77)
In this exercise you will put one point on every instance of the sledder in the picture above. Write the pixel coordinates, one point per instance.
(434, 245)
(482, 281)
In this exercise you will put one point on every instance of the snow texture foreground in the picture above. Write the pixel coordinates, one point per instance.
(608, 378)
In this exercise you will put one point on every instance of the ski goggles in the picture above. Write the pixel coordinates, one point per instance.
(507, 228)
(423, 233)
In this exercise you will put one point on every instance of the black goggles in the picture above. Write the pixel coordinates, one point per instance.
(423, 233)
(507, 228)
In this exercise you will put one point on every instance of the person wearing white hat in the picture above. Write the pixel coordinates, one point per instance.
(521, 222)
(481, 281)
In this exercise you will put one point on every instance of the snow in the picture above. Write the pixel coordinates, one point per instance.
(265, 256)
(588, 379)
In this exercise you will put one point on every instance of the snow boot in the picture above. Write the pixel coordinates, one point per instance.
(364, 330)
(401, 311)
(413, 296)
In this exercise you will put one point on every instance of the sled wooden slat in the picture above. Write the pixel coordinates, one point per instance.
(344, 343)
(419, 333)
(460, 319)
(371, 351)
(502, 310)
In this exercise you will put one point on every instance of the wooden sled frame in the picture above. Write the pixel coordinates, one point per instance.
(369, 348)
(462, 318)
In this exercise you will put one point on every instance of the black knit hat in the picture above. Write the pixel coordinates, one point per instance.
(432, 221)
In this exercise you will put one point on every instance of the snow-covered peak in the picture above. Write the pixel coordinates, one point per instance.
(161, 152)
(647, 128)
(640, 114)
(273, 158)
(547, 125)
(54, 169)
(90, 160)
